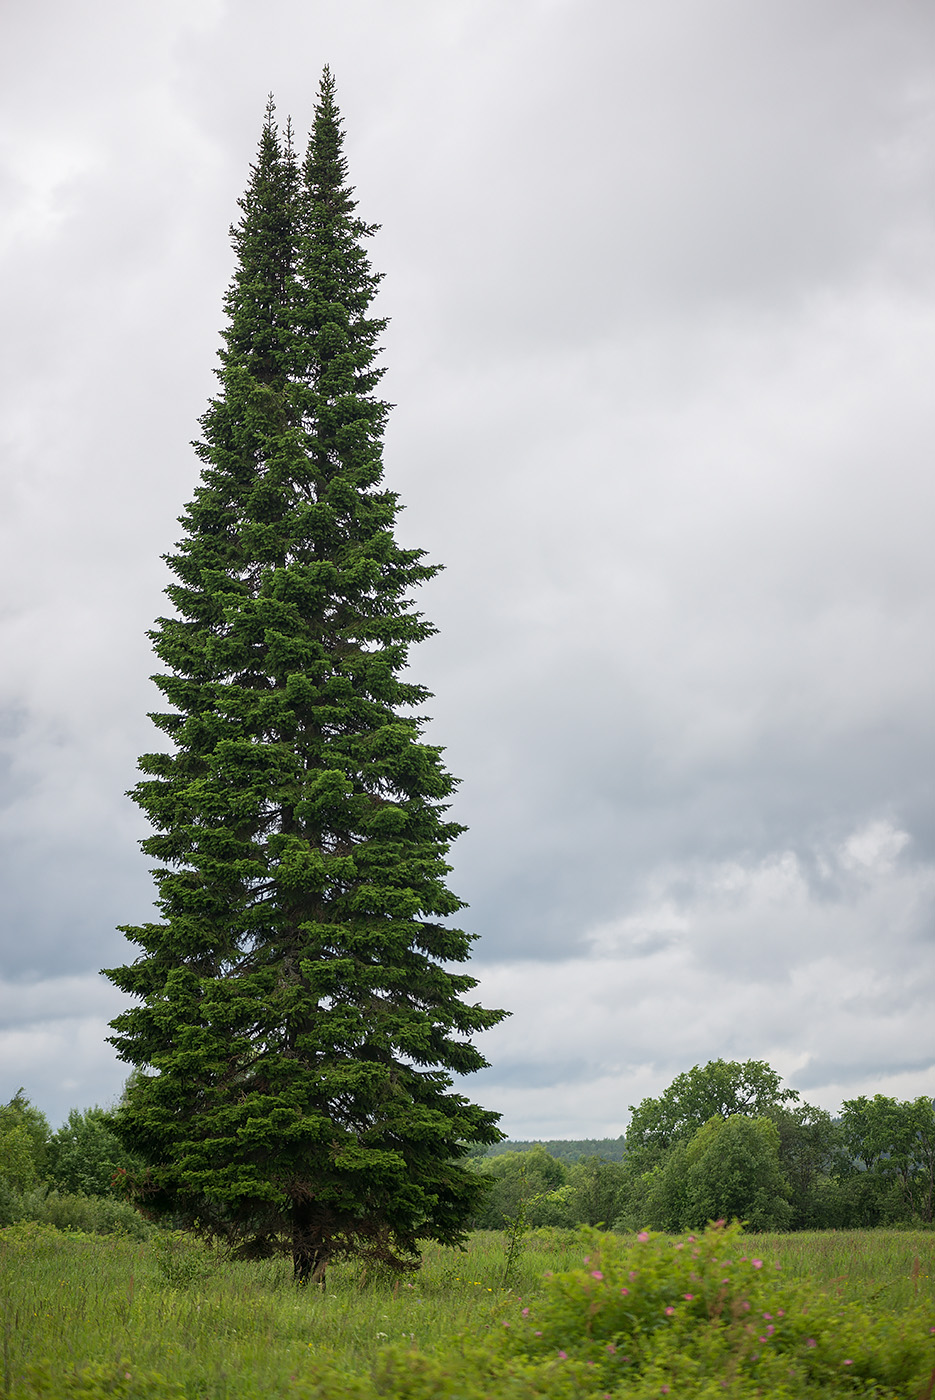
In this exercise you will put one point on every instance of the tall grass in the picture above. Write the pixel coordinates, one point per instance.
(890, 1268)
(222, 1329)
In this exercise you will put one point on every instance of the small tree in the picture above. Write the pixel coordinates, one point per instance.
(299, 1018)
(24, 1137)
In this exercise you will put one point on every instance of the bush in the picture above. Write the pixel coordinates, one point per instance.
(93, 1215)
(700, 1316)
(182, 1259)
(121, 1380)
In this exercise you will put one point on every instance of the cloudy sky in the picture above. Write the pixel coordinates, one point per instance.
(662, 284)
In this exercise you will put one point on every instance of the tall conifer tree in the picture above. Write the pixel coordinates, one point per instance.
(298, 1020)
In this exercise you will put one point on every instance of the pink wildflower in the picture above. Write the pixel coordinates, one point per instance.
(624, 1291)
(525, 1312)
(537, 1334)
(848, 1363)
(669, 1312)
(563, 1356)
(811, 1342)
(758, 1263)
(642, 1237)
(596, 1273)
(688, 1297)
(611, 1349)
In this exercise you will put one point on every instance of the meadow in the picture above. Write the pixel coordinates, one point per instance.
(89, 1315)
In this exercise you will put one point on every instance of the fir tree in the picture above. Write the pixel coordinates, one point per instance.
(298, 1020)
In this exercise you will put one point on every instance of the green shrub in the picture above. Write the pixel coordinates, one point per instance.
(92, 1215)
(182, 1259)
(118, 1380)
(95, 1215)
(702, 1316)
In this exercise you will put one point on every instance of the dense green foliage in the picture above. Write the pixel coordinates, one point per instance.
(895, 1143)
(24, 1137)
(793, 1168)
(763, 1156)
(86, 1158)
(101, 1317)
(719, 1089)
(299, 1021)
(69, 1178)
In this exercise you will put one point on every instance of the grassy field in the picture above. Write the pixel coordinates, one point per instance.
(891, 1269)
(221, 1329)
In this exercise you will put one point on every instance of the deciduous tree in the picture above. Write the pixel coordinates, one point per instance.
(721, 1088)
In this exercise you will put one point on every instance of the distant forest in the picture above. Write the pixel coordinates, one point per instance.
(563, 1149)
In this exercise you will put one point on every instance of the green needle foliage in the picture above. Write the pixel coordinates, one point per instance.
(298, 1020)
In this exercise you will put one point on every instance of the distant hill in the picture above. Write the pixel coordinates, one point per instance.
(610, 1149)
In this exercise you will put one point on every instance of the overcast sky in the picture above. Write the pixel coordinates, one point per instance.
(662, 282)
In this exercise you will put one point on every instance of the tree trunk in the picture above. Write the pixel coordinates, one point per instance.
(309, 1265)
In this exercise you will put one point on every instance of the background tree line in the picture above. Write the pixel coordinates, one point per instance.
(727, 1140)
(724, 1140)
(71, 1177)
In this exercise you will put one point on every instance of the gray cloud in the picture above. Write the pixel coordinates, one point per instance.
(662, 283)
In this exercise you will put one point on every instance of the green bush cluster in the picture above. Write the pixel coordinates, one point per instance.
(69, 1178)
(115, 1380)
(704, 1315)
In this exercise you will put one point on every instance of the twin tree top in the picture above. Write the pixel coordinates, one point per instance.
(297, 1024)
